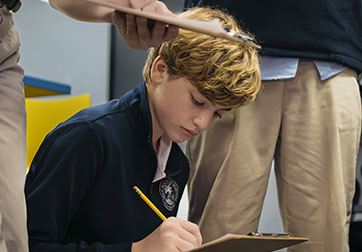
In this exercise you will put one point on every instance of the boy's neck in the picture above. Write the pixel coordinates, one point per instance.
(157, 133)
(156, 145)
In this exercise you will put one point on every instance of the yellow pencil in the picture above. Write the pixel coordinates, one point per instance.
(149, 203)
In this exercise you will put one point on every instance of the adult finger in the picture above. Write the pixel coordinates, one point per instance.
(119, 20)
(171, 32)
(143, 33)
(161, 8)
(158, 34)
(132, 38)
(137, 4)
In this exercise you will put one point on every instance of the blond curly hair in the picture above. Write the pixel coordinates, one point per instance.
(225, 72)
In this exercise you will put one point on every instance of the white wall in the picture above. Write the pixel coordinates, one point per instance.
(57, 48)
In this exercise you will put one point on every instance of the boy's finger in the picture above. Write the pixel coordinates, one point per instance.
(193, 229)
(183, 245)
(187, 236)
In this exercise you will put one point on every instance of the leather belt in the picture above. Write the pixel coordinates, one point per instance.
(11, 5)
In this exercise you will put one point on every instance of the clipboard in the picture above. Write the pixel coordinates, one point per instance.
(212, 28)
(247, 243)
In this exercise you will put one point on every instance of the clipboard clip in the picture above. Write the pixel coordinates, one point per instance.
(235, 34)
(269, 234)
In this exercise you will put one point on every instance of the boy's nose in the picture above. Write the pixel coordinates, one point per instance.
(202, 121)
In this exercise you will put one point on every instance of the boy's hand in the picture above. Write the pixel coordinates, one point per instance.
(140, 33)
(173, 235)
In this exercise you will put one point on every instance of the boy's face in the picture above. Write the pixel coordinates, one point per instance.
(178, 109)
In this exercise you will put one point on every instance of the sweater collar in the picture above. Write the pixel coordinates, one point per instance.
(140, 115)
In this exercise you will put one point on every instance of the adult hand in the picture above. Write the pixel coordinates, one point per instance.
(173, 235)
(137, 31)
(136, 4)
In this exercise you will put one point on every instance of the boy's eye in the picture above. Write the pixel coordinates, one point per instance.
(196, 102)
(217, 114)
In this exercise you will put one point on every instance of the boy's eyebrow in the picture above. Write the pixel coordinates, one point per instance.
(226, 109)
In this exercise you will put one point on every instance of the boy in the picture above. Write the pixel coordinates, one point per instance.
(79, 188)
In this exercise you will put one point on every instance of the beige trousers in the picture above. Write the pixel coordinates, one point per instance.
(13, 235)
(312, 130)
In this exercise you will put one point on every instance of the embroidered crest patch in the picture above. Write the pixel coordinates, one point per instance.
(169, 192)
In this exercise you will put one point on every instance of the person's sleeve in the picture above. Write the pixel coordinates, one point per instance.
(62, 174)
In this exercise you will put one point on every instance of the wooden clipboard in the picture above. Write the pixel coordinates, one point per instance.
(247, 243)
(212, 28)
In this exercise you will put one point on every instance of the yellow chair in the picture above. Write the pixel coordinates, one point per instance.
(45, 115)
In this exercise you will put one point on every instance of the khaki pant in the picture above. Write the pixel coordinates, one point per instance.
(312, 130)
(13, 235)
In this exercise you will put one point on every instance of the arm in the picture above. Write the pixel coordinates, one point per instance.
(85, 11)
(62, 174)
(135, 30)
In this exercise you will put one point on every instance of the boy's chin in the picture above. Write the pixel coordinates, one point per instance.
(181, 141)
(178, 139)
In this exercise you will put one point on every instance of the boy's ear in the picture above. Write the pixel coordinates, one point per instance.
(158, 70)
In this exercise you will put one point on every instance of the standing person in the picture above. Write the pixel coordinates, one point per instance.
(307, 118)
(13, 236)
(79, 189)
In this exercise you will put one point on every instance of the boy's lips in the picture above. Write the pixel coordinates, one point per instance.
(190, 132)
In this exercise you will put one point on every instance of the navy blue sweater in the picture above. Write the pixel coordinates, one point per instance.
(329, 30)
(79, 190)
